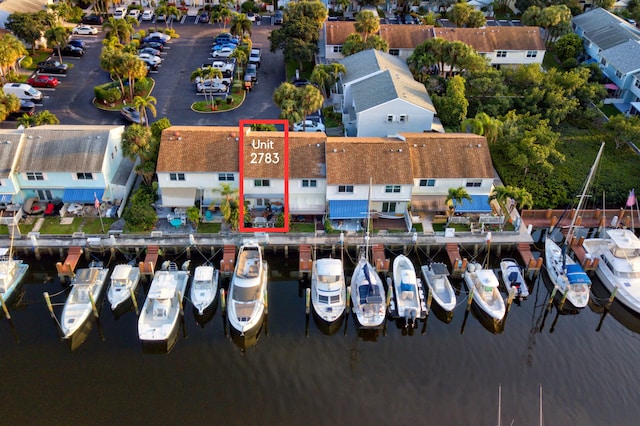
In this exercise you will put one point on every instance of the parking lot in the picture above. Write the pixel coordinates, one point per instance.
(71, 100)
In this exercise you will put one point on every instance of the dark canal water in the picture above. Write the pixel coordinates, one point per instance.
(442, 376)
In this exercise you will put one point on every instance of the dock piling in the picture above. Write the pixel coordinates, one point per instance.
(4, 308)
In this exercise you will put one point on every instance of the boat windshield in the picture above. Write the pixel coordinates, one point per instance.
(245, 294)
(328, 279)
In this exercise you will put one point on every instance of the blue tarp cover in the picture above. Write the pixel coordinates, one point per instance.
(576, 275)
(478, 204)
(348, 209)
(84, 195)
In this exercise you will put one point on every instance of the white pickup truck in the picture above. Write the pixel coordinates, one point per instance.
(255, 56)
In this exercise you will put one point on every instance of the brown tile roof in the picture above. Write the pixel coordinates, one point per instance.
(491, 39)
(353, 161)
(337, 31)
(198, 149)
(306, 155)
(449, 155)
(405, 36)
(256, 166)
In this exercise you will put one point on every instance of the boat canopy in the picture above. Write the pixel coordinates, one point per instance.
(121, 273)
(87, 275)
(165, 288)
(203, 273)
(576, 275)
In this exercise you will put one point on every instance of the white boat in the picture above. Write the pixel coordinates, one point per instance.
(87, 284)
(565, 273)
(12, 272)
(159, 317)
(124, 281)
(484, 284)
(618, 264)
(204, 287)
(328, 289)
(436, 275)
(407, 289)
(248, 290)
(367, 295)
(513, 279)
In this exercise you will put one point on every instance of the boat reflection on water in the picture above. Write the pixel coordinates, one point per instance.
(563, 308)
(79, 337)
(598, 304)
(244, 341)
(441, 314)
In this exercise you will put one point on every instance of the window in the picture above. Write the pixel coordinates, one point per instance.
(84, 176)
(226, 177)
(501, 53)
(35, 176)
(261, 182)
(389, 207)
(637, 83)
(403, 118)
(392, 189)
(532, 53)
(309, 183)
(474, 183)
(427, 182)
(394, 52)
(337, 49)
(618, 74)
(44, 194)
(176, 176)
(603, 61)
(390, 118)
(345, 188)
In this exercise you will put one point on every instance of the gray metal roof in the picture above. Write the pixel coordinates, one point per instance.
(64, 148)
(387, 86)
(9, 143)
(370, 61)
(605, 29)
(624, 57)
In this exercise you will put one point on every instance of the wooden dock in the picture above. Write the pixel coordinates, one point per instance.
(66, 269)
(458, 264)
(148, 267)
(532, 264)
(381, 262)
(306, 261)
(228, 262)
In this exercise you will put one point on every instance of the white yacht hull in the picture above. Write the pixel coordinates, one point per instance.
(367, 295)
(513, 279)
(204, 288)
(440, 287)
(13, 272)
(558, 265)
(124, 281)
(328, 289)
(248, 291)
(88, 283)
(407, 289)
(484, 284)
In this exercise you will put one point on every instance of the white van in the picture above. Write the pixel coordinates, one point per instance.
(23, 91)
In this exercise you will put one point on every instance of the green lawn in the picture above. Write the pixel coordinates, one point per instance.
(610, 110)
(550, 61)
(52, 225)
(92, 225)
(209, 228)
(304, 73)
(302, 227)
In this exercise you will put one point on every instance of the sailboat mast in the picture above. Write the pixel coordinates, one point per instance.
(366, 232)
(583, 194)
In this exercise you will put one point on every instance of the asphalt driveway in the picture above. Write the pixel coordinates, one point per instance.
(71, 100)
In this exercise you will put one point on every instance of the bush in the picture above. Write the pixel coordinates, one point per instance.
(26, 62)
(249, 6)
(113, 95)
(140, 216)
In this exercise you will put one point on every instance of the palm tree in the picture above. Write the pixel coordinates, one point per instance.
(119, 28)
(240, 24)
(241, 58)
(206, 73)
(57, 36)
(285, 98)
(142, 104)
(456, 196)
(309, 99)
(229, 205)
(367, 23)
(501, 194)
(11, 49)
(321, 77)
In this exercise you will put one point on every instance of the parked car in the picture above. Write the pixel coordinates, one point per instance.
(204, 17)
(135, 14)
(52, 67)
(212, 86)
(154, 39)
(225, 52)
(278, 18)
(85, 30)
(77, 43)
(22, 91)
(300, 82)
(251, 16)
(120, 12)
(222, 46)
(165, 37)
(70, 50)
(150, 59)
(92, 20)
(132, 115)
(150, 51)
(37, 80)
(252, 71)
(309, 126)
(147, 15)
(26, 107)
(161, 18)
(226, 38)
(153, 45)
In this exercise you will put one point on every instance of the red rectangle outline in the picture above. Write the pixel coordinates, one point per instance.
(241, 125)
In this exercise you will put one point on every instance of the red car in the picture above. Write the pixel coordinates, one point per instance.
(43, 81)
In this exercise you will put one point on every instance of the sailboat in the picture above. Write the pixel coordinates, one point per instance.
(12, 272)
(565, 273)
(367, 290)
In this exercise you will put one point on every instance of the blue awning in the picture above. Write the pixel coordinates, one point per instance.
(478, 204)
(84, 195)
(5, 198)
(348, 209)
